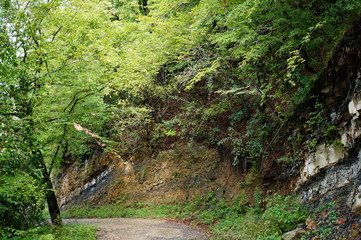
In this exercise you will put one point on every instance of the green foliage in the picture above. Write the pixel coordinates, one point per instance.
(283, 214)
(264, 36)
(121, 210)
(21, 201)
(330, 134)
(239, 204)
(54, 68)
(280, 215)
(286, 159)
(162, 211)
(263, 58)
(318, 128)
(316, 118)
(326, 224)
(73, 231)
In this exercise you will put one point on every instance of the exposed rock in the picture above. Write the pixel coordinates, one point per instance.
(178, 174)
(82, 180)
(346, 140)
(335, 181)
(325, 156)
(332, 172)
(354, 108)
(295, 234)
(356, 201)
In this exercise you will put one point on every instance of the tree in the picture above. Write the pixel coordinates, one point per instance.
(61, 57)
(54, 64)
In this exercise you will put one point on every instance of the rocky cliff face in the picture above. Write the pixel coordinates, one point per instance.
(329, 174)
(179, 174)
(333, 171)
(81, 182)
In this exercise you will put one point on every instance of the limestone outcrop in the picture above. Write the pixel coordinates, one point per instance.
(333, 171)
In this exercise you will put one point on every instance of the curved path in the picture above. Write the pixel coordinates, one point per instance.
(139, 229)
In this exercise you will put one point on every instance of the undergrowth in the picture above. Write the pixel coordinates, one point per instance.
(66, 232)
(265, 219)
(119, 211)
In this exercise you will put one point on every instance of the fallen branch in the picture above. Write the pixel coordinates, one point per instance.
(78, 127)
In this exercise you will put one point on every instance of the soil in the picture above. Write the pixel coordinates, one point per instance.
(139, 229)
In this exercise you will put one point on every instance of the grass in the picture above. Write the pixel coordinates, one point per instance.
(121, 211)
(66, 232)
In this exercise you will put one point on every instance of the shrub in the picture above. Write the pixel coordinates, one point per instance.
(283, 213)
(21, 201)
(66, 232)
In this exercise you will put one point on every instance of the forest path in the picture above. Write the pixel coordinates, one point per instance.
(139, 229)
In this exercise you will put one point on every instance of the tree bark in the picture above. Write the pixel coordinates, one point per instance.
(53, 205)
(51, 200)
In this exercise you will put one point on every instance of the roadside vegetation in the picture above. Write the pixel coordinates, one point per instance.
(67, 232)
(264, 219)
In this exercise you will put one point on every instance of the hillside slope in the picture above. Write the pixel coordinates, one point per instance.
(327, 170)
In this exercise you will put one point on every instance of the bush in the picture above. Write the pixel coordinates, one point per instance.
(72, 231)
(21, 201)
(283, 213)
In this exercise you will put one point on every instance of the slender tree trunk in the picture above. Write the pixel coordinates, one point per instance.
(53, 205)
(51, 200)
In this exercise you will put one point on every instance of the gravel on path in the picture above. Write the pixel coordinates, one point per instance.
(139, 229)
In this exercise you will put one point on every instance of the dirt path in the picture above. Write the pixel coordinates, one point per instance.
(139, 229)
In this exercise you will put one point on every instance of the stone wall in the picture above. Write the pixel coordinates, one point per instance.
(333, 171)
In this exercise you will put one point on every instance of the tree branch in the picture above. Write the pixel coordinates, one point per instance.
(75, 97)
(72, 103)
(9, 114)
(61, 67)
(56, 33)
(58, 148)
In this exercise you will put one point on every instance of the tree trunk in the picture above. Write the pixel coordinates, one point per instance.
(52, 201)
(53, 205)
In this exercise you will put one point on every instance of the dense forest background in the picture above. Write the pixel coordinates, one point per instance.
(131, 77)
